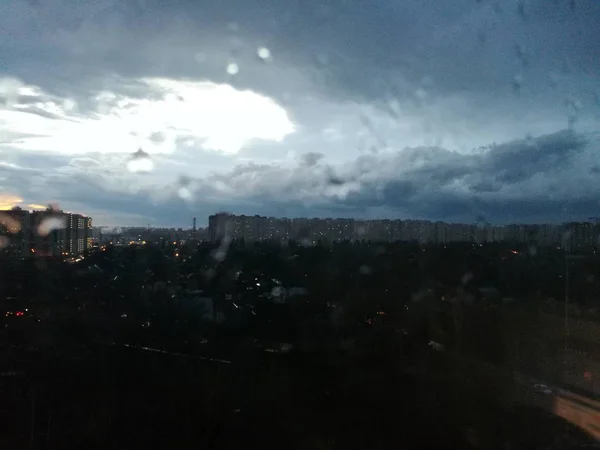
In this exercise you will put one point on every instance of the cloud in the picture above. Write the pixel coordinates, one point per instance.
(36, 207)
(8, 201)
(396, 109)
(216, 116)
(498, 181)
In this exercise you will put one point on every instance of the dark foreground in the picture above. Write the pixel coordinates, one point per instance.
(113, 397)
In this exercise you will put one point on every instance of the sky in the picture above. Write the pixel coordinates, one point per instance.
(149, 112)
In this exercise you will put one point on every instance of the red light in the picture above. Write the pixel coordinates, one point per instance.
(19, 313)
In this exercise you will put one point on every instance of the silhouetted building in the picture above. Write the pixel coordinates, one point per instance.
(56, 233)
(312, 230)
(15, 229)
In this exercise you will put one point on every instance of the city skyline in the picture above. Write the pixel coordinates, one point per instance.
(227, 227)
(310, 230)
(478, 221)
(48, 232)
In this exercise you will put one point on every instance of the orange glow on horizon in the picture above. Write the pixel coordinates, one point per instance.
(9, 201)
(36, 206)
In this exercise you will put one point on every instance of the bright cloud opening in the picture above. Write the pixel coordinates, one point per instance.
(216, 116)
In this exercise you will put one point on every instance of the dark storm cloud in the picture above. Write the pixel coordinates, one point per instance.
(311, 158)
(515, 179)
(428, 183)
(365, 50)
(510, 163)
(409, 71)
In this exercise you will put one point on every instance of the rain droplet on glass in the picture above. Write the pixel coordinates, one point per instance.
(233, 27)
(69, 104)
(184, 193)
(184, 181)
(522, 55)
(210, 274)
(466, 277)
(11, 224)
(322, 59)
(49, 224)
(276, 291)
(264, 53)
(305, 242)
(517, 84)
(232, 68)
(140, 162)
(220, 255)
(364, 269)
(521, 10)
(421, 94)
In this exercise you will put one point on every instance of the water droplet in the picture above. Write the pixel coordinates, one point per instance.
(322, 59)
(232, 68)
(49, 224)
(573, 105)
(394, 108)
(421, 94)
(277, 291)
(235, 45)
(220, 255)
(210, 274)
(521, 54)
(264, 53)
(200, 58)
(466, 278)
(233, 27)
(305, 242)
(184, 180)
(517, 84)
(521, 10)
(184, 193)
(69, 104)
(365, 270)
(310, 159)
(11, 224)
(140, 162)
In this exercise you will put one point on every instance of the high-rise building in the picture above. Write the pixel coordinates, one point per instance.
(15, 229)
(219, 226)
(56, 233)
